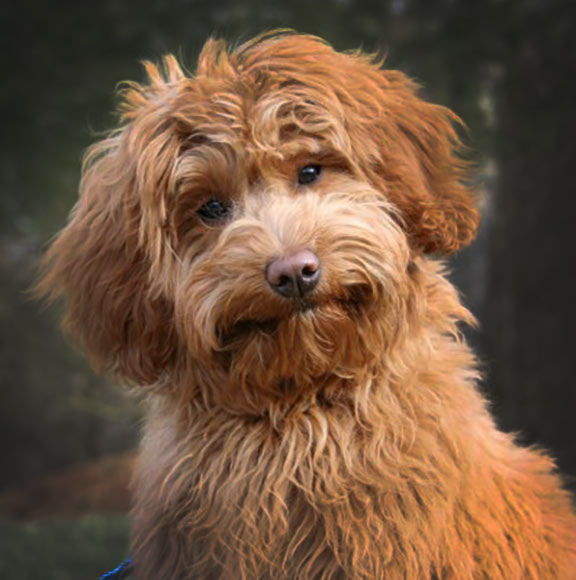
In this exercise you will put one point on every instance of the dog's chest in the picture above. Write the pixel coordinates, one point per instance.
(283, 504)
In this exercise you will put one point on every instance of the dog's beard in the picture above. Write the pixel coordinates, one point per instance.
(276, 351)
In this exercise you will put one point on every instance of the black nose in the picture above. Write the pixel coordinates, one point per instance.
(295, 275)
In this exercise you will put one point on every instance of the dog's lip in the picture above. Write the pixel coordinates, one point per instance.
(266, 326)
(353, 300)
(247, 325)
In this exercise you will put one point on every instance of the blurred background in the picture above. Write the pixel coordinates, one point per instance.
(507, 67)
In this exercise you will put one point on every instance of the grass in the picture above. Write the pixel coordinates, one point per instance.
(74, 549)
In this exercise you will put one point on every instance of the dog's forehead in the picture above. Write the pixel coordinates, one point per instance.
(280, 119)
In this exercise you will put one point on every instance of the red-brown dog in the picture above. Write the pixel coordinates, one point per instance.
(256, 246)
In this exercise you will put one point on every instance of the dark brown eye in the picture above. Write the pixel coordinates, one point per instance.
(214, 211)
(309, 174)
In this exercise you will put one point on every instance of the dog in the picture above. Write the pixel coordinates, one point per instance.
(259, 247)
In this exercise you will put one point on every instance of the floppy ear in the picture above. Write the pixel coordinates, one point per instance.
(102, 263)
(418, 163)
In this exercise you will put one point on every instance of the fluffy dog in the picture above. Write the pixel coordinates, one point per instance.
(257, 247)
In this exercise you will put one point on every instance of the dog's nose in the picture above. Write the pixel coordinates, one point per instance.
(295, 275)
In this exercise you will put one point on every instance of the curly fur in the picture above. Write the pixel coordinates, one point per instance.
(347, 439)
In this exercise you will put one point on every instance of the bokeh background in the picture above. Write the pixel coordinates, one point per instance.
(507, 67)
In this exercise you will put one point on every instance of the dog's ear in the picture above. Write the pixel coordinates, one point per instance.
(419, 164)
(103, 262)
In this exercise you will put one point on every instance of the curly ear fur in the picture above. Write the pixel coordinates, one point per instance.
(425, 175)
(103, 261)
(411, 150)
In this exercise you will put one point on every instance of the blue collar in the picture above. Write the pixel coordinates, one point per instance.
(122, 572)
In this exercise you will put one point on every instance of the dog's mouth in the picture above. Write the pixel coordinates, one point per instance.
(351, 303)
(249, 326)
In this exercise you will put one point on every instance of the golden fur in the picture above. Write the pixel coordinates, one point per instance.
(347, 439)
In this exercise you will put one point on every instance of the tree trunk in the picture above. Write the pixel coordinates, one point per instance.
(529, 320)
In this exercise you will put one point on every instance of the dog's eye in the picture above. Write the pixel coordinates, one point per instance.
(214, 211)
(309, 174)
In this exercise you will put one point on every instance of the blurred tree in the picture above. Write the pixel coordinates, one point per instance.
(530, 306)
(509, 69)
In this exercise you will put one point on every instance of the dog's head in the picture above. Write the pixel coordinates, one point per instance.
(257, 224)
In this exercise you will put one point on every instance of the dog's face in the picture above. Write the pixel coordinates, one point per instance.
(254, 228)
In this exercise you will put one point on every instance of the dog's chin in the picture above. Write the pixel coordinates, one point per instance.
(301, 343)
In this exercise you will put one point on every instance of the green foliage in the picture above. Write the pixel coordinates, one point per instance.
(62, 550)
